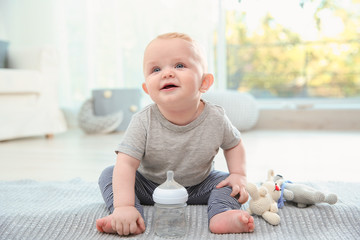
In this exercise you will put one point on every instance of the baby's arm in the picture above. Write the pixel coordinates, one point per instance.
(236, 162)
(126, 219)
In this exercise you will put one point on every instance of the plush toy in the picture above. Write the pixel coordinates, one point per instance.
(272, 187)
(281, 196)
(302, 195)
(263, 201)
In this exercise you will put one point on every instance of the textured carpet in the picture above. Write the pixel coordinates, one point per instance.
(68, 210)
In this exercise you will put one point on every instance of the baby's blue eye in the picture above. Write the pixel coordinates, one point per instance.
(157, 69)
(179, 65)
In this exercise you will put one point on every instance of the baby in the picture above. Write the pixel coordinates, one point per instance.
(179, 132)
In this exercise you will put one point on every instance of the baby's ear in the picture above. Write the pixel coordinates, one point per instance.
(207, 82)
(145, 88)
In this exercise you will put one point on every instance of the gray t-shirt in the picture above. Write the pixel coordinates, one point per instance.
(187, 150)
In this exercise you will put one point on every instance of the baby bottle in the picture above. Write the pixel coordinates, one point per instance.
(170, 203)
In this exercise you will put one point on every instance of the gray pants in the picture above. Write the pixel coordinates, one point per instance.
(218, 200)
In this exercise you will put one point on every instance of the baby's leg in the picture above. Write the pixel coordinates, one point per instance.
(200, 194)
(224, 211)
(105, 184)
(225, 215)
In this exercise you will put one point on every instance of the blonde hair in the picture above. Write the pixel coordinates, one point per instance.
(176, 35)
(198, 49)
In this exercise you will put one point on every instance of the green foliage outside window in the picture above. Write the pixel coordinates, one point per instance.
(275, 61)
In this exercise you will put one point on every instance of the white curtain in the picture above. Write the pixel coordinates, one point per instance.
(102, 42)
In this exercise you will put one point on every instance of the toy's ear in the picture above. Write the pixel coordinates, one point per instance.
(278, 177)
(271, 175)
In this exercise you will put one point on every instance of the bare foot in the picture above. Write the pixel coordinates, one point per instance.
(104, 225)
(232, 221)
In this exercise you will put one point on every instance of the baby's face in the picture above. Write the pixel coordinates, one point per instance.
(173, 71)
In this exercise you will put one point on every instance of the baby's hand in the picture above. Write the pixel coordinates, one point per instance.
(127, 220)
(237, 182)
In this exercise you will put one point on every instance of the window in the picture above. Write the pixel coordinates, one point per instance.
(293, 49)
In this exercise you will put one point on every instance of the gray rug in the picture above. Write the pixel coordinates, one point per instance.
(68, 210)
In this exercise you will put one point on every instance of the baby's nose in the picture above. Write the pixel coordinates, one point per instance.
(168, 73)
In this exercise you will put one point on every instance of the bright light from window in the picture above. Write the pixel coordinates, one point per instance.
(279, 48)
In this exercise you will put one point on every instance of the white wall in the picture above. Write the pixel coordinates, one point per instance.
(101, 43)
(27, 22)
(3, 17)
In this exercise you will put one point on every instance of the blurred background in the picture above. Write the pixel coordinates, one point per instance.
(298, 60)
(273, 49)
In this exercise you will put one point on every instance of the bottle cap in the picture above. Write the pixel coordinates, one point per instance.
(170, 192)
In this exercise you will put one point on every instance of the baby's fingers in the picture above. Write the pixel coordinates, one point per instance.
(223, 183)
(117, 226)
(133, 228)
(235, 190)
(141, 224)
(244, 196)
(125, 229)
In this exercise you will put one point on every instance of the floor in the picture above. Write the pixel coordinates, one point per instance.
(297, 155)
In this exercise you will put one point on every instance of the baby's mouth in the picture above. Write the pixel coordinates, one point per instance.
(168, 86)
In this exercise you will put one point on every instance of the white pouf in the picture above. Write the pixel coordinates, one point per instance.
(241, 108)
